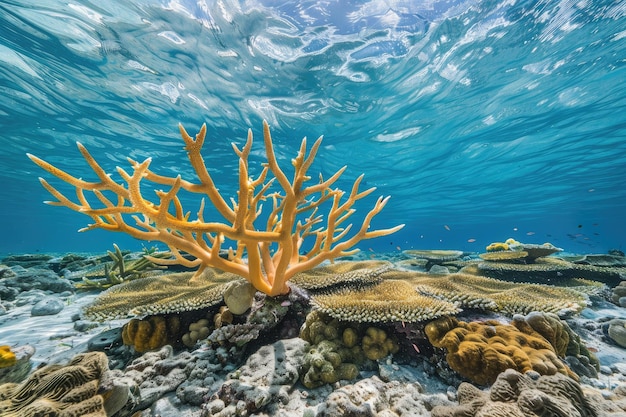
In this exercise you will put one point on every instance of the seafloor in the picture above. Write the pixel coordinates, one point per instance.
(417, 333)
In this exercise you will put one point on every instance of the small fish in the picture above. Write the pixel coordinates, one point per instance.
(446, 227)
(398, 248)
(472, 240)
(416, 348)
(530, 233)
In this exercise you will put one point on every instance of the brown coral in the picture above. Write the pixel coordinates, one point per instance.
(152, 332)
(70, 391)
(480, 351)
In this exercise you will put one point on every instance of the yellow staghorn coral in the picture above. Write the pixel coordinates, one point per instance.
(273, 254)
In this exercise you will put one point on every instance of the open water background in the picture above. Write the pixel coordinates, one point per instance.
(482, 119)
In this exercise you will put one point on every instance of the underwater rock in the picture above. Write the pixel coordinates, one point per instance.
(617, 331)
(34, 279)
(267, 377)
(48, 306)
(72, 390)
(514, 394)
(372, 397)
(151, 376)
(21, 366)
(37, 260)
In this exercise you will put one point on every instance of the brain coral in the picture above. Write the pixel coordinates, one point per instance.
(479, 351)
(70, 391)
(163, 294)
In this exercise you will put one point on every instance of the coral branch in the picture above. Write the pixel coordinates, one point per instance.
(266, 258)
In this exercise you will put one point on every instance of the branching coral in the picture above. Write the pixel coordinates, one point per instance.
(273, 254)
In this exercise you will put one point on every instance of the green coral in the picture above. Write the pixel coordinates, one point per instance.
(121, 269)
(377, 345)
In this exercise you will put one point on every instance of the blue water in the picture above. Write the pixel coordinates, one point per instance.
(482, 119)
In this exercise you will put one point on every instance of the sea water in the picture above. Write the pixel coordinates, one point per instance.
(483, 120)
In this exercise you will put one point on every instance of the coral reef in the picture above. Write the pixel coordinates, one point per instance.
(265, 314)
(549, 270)
(272, 255)
(341, 274)
(264, 380)
(471, 291)
(151, 376)
(163, 294)
(152, 332)
(556, 331)
(70, 390)
(121, 269)
(376, 344)
(530, 251)
(390, 301)
(514, 394)
(7, 357)
(372, 397)
(17, 363)
(480, 351)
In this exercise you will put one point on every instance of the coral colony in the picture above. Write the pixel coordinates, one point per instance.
(273, 255)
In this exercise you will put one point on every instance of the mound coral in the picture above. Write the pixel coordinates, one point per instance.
(273, 254)
(480, 351)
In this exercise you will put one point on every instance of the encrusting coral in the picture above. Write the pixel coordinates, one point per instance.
(273, 254)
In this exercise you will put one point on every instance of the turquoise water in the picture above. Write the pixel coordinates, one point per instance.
(482, 119)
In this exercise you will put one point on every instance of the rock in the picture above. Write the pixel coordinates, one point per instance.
(48, 306)
(84, 325)
(372, 397)
(105, 340)
(27, 260)
(617, 331)
(267, 377)
(36, 279)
